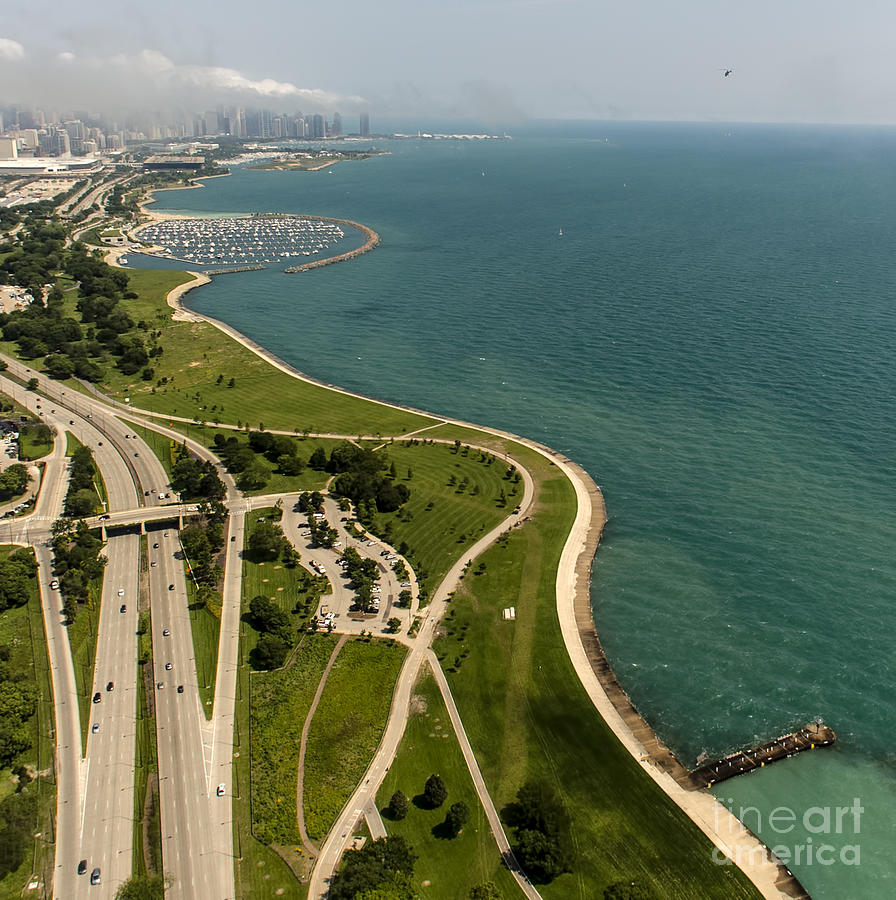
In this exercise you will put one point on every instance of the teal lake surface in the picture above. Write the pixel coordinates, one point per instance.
(712, 338)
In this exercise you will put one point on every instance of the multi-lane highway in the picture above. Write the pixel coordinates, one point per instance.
(96, 792)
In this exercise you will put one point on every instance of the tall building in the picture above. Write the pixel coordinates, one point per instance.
(365, 125)
(8, 148)
(318, 126)
(336, 125)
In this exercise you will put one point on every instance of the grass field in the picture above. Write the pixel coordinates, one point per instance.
(22, 631)
(195, 353)
(205, 626)
(347, 728)
(441, 520)
(261, 872)
(528, 717)
(279, 704)
(31, 444)
(447, 868)
(82, 640)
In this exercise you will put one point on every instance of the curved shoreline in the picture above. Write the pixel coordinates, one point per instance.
(573, 604)
(573, 601)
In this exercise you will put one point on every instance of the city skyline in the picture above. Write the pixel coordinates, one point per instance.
(498, 62)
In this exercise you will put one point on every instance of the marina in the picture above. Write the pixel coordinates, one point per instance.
(239, 241)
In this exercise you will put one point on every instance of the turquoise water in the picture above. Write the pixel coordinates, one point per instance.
(712, 337)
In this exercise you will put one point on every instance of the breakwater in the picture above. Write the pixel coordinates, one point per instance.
(229, 270)
(372, 240)
(807, 738)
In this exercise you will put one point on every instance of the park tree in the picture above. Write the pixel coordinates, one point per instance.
(393, 626)
(485, 891)
(435, 793)
(81, 503)
(458, 816)
(267, 540)
(254, 476)
(381, 868)
(318, 459)
(269, 653)
(398, 806)
(543, 844)
(267, 615)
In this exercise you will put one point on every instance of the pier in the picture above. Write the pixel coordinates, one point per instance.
(807, 738)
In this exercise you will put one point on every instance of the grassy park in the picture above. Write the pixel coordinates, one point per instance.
(347, 727)
(455, 499)
(447, 867)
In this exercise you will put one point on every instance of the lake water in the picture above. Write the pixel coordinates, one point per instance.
(712, 337)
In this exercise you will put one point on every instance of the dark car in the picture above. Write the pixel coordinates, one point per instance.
(155, 546)
(123, 608)
(110, 686)
(82, 867)
(136, 454)
(72, 422)
(170, 587)
(180, 689)
(233, 538)
(97, 697)
(95, 876)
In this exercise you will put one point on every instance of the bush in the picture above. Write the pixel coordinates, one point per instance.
(458, 816)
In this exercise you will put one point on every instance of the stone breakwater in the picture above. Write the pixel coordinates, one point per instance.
(372, 239)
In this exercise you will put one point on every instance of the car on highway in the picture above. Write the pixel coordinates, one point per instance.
(110, 686)
(121, 592)
(180, 689)
(95, 728)
(105, 518)
(165, 632)
(97, 697)
(136, 454)
(160, 685)
(220, 789)
(170, 587)
(233, 538)
(82, 867)
(71, 421)
(168, 666)
(54, 584)
(155, 546)
(153, 564)
(95, 876)
(123, 608)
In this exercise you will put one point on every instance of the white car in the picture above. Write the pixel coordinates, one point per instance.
(220, 789)
(168, 666)
(121, 592)
(54, 584)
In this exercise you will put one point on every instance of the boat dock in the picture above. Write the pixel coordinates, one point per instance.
(807, 738)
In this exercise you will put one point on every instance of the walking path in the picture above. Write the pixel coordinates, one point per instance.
(310, 847)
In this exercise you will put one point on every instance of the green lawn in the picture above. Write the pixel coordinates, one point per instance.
(528, 717)
(195, 353)
(441, 520)
(347, 728)
(82, 639)
(279, 704)
(22, 631)
(34, 443)
(447, 867)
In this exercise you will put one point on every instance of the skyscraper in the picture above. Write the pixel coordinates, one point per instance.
(365, 125)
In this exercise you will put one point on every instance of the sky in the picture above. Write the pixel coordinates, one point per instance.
(494, 61)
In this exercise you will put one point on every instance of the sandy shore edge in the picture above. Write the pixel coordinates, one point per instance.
(724, 830)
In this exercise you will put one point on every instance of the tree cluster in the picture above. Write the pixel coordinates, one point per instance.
(246, 459)
(71, 347)
(81, 498)
(360, 476)
(76, 560)
(363, 574)
(16, 573)
(13, 481)
(18, 702)
(267, 541)
(196, 479)
(201, 544)
(18, 816)
(385, 865)
(542, 839)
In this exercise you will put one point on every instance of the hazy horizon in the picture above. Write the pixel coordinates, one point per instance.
(498, 62)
